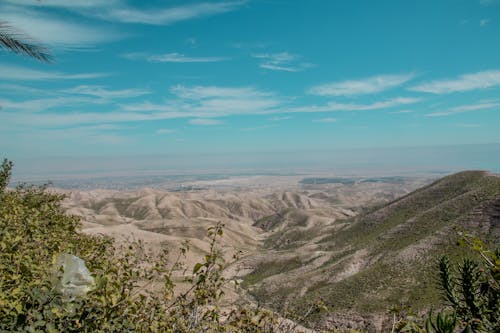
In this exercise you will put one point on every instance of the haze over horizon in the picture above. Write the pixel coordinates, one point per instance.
(252, 85)
(144, 170)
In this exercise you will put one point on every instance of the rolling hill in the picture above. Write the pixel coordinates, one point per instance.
(360, 246)
(384, 257)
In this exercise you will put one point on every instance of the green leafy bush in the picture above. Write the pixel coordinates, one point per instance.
(133, 290)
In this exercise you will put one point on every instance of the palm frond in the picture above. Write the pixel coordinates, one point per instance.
(12, 40)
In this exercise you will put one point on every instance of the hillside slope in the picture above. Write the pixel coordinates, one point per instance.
(381, 258)
(166, 219)
(313, 242)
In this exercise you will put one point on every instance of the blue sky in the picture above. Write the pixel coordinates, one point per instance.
(189, 77)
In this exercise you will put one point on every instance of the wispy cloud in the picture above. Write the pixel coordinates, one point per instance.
(465, 82)
(370, 85)
(120, 11)
(103, 92)
(204, 92)
(401, 112)
(280, 118)
(42, 104)
(283, 61)
(171, 57)
(16, 89)
(80, 135)
(463, 109)
(171, 15)
(325, 120)
(205, 121)
(64, 3)
(489, 2)
(211, 101)
(52, 119)
(333, 106)
(27, 74)
(32, 17)
(151, 107)
(162, 131)
(191, 42)
(484, 22)
(76, 97)
(257, 128)
(204, 105)
(52, 30)
(201, 105)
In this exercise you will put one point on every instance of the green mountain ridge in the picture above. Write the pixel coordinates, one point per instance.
(382, 258)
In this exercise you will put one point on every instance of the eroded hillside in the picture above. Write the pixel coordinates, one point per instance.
(362, 246)
(381, 258)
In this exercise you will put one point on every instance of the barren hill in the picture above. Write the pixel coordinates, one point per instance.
(362, 246)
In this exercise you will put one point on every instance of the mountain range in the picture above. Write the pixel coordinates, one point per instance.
(363, 247)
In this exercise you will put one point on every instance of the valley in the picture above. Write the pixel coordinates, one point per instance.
(362, 245)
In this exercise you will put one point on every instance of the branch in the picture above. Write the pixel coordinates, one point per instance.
(17, 42)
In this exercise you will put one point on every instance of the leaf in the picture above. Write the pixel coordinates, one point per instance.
(467, 329)
(197, 267)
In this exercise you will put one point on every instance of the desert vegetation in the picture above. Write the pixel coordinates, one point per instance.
(133, 290)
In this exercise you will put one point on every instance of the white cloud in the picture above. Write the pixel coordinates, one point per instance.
(64, 3)
(191, 42)
(171, 57)
(368, 85)
(77, 117)
(325, 120)
(203, 105)
(280, 68)
(489, 2)
(27, 74)
(169, 16)
(401, 112)
(484, 22)
(222, 101)
(277, 57)
(333, 106)
(16, 89)
(280, 118)
(93, 134)
(465, 82)
(210, 101)
(203, 92)
(36, 105)
(257, 128)
(283, 61)
(205, 121)
(463, 109)
(150, 107)
(165, 131)
(54, 31)
(119, 11)
(102, 92)
(228, 106)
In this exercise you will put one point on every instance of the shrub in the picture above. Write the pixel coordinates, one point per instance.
(133, 290)
(471, 290)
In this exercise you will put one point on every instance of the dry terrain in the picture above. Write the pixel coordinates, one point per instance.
(353, 242)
